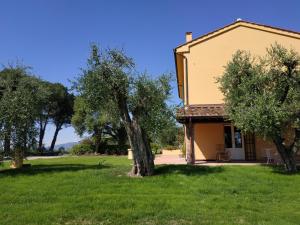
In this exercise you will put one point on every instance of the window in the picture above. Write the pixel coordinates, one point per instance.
(233, 137)
(237, 138)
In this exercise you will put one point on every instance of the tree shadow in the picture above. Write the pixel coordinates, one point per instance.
(188, 170)
(31, 170)
(279, 169)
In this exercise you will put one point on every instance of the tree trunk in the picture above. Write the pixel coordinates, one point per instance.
(7, 140)
(57, 129)
(17, 161)
(287, 155)
(42, 134)
(7, 144)
(121, 136)
(97, 139)
(143, 160)
(142, 155)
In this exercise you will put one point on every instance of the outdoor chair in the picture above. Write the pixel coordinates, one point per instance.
(268, 156)
(222, 153)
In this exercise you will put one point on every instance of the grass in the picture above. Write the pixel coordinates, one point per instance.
(96, 190)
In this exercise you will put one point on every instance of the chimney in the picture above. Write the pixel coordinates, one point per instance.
(188, 36)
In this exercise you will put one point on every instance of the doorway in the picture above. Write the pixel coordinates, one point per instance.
(234, 142)
(249, 143)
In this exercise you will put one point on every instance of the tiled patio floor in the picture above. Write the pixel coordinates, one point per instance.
(171, 159)
(168, 159)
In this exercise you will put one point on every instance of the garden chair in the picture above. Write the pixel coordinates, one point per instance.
(268, 156)
(222, 153)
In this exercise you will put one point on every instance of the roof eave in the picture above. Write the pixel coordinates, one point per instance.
(291, 33)
(176, 69)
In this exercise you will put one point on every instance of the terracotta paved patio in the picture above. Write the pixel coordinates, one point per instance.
(171, 159)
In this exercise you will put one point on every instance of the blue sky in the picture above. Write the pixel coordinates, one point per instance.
(54, 36)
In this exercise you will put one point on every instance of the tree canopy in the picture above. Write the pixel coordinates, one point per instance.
(62, 110)
(28, 104)
(111, 87)
(262, 96)
(18, 111)
(96, 124)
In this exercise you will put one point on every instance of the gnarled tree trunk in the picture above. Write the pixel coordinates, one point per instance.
(287, 155)
(142, 154)
(143, 160)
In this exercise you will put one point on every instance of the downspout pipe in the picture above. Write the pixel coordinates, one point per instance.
(187, 80)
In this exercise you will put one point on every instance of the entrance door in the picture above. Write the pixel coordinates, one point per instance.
(249, 143)
(234, 142)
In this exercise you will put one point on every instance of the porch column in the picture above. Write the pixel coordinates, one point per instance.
(190, 154)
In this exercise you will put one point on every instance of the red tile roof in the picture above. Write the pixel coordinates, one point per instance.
(201, 111)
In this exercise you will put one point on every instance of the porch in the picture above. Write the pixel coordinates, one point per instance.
(210, 136)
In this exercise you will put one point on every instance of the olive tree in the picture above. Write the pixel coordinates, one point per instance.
(109, 85)
(262, 96)
(18, 111)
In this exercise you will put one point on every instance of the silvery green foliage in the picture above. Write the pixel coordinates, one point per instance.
(262, 95)
(18, 111)
(148, 101)
(109, 74)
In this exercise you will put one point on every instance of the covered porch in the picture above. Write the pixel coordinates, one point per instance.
(211, 137)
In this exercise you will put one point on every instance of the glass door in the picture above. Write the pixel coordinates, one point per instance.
(233, 139)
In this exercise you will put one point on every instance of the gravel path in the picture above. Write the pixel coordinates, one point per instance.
(44, 157)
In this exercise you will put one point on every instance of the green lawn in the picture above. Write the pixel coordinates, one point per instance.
(96, 190)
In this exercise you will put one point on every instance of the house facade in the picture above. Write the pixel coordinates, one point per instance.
(198, 63)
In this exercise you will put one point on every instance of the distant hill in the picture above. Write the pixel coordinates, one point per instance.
(66, 146)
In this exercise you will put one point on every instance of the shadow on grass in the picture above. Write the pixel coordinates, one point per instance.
(280, 169)
(188, 170)
(50, 168)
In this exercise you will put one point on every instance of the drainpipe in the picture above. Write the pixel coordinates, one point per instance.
(187, 80)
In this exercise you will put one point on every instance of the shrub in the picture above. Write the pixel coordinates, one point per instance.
(86, 146)
(88, 141)
(156, 149)
(115, 149)
(170, 147)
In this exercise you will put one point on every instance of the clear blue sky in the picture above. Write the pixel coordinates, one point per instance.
(53, 36)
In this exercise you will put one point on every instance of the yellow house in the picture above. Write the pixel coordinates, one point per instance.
(198, 63)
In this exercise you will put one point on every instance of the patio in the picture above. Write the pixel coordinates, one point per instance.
(177, 160)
